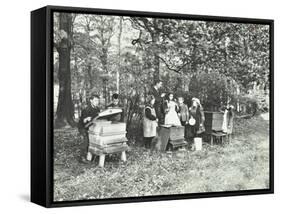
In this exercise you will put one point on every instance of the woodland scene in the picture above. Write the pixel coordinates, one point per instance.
(218, 63)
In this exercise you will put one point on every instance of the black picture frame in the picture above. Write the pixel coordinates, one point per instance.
(42, 105)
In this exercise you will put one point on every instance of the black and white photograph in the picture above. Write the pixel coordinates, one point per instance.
(156, 106)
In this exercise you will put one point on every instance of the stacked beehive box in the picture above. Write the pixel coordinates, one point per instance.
(214, 127)
(213, 121)
(173, 135)
(177, 136)
(106, 137)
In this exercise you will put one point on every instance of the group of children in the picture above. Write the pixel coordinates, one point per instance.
(176, 113)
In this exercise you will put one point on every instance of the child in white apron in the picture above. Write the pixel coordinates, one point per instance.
(149, 122)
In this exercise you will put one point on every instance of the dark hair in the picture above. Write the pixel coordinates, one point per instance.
(157, 81)
(168, 96)
(115, 96)
(94, 96)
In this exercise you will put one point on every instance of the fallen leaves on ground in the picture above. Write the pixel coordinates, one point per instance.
(241, 165)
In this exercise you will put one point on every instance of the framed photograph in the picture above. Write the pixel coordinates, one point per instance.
(131, 106)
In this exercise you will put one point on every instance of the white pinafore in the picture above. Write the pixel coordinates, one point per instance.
(149, 126)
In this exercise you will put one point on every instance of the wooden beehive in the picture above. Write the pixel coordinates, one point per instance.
(106, 137)
(107, 128)
(177, 132)
(170, 134)
(213, 121)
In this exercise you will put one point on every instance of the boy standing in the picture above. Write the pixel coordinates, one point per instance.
(87, 115)
(159, 101)
(183, 113)
(116, 104)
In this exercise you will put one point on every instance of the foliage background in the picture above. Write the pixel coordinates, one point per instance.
(218, 62)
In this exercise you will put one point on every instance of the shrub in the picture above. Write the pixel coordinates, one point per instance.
(213, 89)
(253, 103)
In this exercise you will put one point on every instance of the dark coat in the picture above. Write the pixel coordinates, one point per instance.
(89, 111)
(149, 114)
(183, 113)
(159, 104)
(198, 115)
(156, 94)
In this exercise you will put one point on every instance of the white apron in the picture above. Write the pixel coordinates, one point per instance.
(227, 124)
(149, 126)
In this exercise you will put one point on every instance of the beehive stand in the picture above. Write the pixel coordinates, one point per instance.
(219, 137)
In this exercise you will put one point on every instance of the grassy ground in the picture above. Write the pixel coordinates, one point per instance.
(241, 165)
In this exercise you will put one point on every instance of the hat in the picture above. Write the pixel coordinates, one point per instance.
(194, 99)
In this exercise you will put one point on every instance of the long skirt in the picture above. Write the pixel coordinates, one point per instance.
(172, 118)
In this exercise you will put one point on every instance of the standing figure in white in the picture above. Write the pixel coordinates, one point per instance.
(171, 117)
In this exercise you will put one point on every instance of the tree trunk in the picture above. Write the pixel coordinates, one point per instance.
(105, 92)
(156, 67)
(156, 60)
(65, 109)
(89, 71)
(119, 55)
(193, 60)
(179, 84)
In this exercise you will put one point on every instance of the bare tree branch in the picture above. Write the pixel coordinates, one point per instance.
(173, 69)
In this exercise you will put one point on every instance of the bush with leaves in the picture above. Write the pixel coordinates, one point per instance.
(213, 89)
(254, 104)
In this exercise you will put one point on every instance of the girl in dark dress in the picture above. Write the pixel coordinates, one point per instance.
(195, 125)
